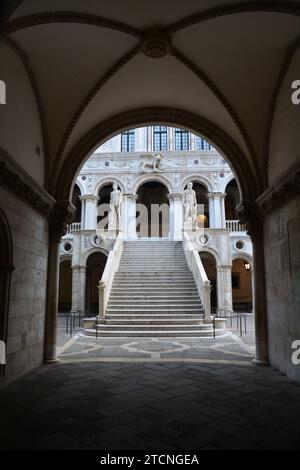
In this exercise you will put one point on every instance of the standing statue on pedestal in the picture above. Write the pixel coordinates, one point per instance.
(114, 218)
(190, 204)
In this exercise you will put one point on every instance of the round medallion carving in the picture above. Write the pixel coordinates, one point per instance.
(156, 45)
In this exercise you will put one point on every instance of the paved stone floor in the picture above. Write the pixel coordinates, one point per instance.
(152, 394)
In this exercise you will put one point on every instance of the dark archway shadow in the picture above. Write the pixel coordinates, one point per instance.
(153, 196)
(6, 268)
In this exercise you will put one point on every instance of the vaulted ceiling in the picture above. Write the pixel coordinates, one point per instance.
(220, 59)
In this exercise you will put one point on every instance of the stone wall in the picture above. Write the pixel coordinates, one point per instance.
(26, 322)
(282, 252)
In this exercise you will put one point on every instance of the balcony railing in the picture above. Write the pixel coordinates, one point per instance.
(235, 226)
(72, 227)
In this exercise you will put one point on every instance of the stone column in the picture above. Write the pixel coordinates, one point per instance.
(261, 321)
(250, 216)
(171, 138)
(224, 287)
(90, 202)
(207, 302)
(149, 139)
(253, 289)
(82, 213)
(216, 210)
(176, 215)
(78, 288)
(62, 215)
(129, 216)
(211, 209)
(223, 215)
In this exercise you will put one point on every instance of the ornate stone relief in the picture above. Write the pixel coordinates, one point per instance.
(39, 200)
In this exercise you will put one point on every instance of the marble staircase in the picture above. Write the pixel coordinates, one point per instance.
(154, 294)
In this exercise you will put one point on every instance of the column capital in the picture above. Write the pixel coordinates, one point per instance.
(89, 197)
(78, 267)
(130, 196)
(175, 196)
(213, 195)
(61, 216)
(224, 267)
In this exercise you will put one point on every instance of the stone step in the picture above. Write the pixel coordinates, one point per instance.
(153, 285)
(152, 327)
(149, 277)
(147, 273)
(154, 303)
(130, 256)
(195, 333)
(159, 288)
(154, 298)
(145, 290)
(154, 270)
(156, 322)
(153, 280)
(148, 251)
(177, 266)
(147, 254)
(151, 311)
(176, 288)
(156, 316)
(148, 307)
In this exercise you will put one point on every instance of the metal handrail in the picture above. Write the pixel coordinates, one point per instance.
(71, 321)
(229, 315)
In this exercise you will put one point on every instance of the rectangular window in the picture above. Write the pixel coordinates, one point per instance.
(160, 138)
(236, 282)
(181, 139)
(127, 141)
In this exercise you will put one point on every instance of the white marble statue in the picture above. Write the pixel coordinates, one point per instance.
(114, 218)
(157, 163)
(190, 204)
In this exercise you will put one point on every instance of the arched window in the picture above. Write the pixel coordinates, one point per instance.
(181, 139)
(160, 138)
(127, 141)
(202, 144)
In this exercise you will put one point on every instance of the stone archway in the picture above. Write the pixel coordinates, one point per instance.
(210, 266)
(83, 149)
(95, 266)
(6, 268)
(249, 181)
(103, 205)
